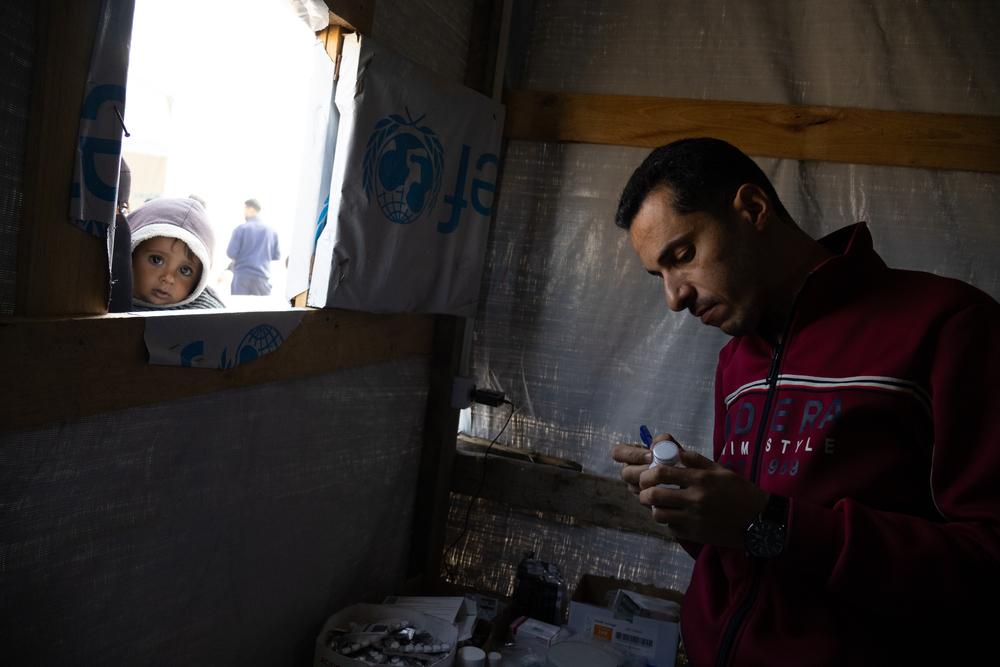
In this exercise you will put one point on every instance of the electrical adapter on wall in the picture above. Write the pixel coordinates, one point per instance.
(464, 393)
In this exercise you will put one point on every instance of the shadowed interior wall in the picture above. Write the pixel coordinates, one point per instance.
(17, 35)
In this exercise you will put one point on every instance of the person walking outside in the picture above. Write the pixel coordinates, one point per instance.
(252, 247)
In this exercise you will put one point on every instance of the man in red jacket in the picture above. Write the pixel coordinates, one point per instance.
(852, 512)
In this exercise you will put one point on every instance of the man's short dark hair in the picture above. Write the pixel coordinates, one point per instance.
(702, 174)
(252, 203)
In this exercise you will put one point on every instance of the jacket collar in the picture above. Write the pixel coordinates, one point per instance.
(855, 264)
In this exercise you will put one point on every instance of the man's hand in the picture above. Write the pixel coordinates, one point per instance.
(713, 504)
(636, 459)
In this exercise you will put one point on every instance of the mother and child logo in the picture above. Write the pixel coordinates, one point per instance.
(403, 166)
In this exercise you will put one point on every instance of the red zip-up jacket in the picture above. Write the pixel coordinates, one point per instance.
(878, 415)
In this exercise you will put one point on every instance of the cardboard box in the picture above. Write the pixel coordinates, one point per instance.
(629, 604)
(442, 630)
(654, 639)
(534, 634)
(458, 610)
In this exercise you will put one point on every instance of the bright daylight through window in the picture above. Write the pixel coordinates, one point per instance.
(216, 107)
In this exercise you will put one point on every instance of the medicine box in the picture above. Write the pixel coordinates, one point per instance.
(534, 634)
(652, 639)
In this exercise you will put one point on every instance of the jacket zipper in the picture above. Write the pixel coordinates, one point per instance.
(772, 388)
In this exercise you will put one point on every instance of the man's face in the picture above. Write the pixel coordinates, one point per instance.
(708, 265)
(164, 271)
(249, 212)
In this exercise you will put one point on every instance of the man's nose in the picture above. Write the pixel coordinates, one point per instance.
(167, 277)
(678, 293)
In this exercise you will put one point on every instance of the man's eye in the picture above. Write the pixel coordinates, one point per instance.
(686, 255)
(187, 271)
(155, 259)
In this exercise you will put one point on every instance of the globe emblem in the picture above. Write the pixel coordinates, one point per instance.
(402, 168)
(260, 340)
(405, 176)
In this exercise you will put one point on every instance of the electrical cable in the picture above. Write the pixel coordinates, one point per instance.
(479, 490)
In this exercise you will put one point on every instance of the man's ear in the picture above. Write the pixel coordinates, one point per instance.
(753, 205)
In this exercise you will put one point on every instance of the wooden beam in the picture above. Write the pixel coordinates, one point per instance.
(430, 511)
(60, 370)
(835, 134)
(534, 487)
(356, 15)
(61, 270)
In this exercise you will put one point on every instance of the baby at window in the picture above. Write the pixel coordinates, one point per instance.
(172, 247)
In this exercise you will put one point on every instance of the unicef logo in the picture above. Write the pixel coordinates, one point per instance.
(262, 339)
(402, 168)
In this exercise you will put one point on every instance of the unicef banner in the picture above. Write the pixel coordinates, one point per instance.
(412, 190)
(203, 339)
(94, 191)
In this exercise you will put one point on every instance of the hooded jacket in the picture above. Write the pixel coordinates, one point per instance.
(184, 219)
(879, 417)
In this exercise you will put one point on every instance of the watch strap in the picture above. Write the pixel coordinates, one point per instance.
(776, 510)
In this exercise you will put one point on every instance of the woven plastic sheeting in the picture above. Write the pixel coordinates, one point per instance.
(17, 46)
(507, 535)
(432, 33)
(570, 326)
(220, 529)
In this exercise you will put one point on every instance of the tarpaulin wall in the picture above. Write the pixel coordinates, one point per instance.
(221, 529)
(17, 46)
(572, 328)
(213, 530)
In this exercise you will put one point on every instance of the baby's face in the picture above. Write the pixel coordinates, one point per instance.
(164, 271)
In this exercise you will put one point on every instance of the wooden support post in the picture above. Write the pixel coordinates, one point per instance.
(61, 270)
(450, 332)
(430, 514)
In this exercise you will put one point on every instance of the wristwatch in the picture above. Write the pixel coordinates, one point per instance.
(765, 535)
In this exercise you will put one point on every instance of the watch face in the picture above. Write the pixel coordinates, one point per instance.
(765, 539)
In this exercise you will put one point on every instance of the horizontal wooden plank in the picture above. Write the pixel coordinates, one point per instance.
(535, 487)
(836, 134)
(60, 370)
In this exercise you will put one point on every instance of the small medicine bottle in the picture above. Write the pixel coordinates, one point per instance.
(665, 453)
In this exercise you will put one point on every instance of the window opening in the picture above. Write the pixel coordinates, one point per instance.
(217, 99)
